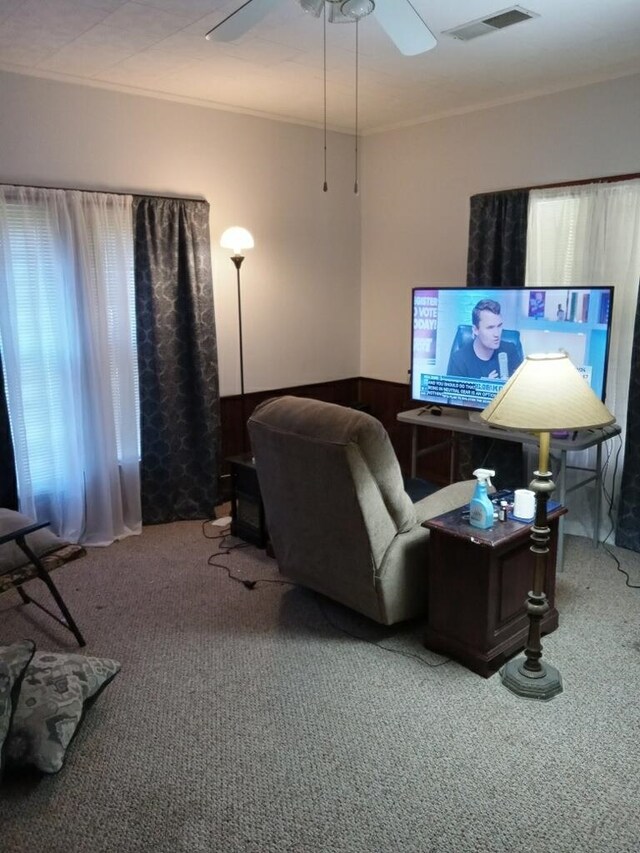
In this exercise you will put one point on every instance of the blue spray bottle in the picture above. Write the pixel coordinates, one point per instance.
(481, 508)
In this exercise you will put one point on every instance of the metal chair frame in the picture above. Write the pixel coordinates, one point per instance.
(18, 536)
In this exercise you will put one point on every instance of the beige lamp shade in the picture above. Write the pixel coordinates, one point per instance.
(547, 392)
(236, 238)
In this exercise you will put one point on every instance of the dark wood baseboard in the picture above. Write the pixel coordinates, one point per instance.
(385, 400)
(381, 398)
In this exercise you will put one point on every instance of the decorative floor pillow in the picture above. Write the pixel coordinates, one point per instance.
(49, 710)
(14, 661)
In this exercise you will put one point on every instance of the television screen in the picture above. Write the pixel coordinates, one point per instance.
(466, 341)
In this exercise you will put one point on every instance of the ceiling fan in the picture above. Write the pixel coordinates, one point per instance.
(398, 18)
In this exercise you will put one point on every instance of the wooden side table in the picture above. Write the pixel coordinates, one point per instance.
(478, 585)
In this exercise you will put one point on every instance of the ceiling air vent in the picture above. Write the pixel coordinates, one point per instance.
(491, 23)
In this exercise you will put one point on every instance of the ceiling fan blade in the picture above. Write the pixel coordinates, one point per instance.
(404, 26)
(239, 22)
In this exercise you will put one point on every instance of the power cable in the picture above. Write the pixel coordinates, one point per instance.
(609, 498)
(225, 550)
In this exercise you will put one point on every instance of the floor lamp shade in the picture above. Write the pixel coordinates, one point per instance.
(236, 238)
(546, 393)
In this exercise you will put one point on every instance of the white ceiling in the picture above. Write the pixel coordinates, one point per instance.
(158, 47)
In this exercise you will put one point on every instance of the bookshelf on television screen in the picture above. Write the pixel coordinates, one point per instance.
(466, 341)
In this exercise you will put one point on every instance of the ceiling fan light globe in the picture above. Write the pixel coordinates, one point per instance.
(356, 9)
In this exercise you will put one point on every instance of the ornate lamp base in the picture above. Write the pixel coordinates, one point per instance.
(543, 685)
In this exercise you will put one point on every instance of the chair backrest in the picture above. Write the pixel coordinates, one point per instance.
(332, 490)
(465, 334)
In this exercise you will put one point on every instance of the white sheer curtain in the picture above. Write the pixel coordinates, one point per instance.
(67, 331)
(590, 235)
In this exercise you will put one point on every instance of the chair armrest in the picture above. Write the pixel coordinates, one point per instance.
(444, 500)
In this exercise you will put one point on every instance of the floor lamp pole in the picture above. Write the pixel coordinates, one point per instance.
(238, 239)
(237, 260)
(531, 677)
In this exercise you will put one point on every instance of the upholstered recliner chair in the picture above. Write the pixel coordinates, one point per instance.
(338, 516)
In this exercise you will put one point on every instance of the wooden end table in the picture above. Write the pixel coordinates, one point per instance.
(478, 585)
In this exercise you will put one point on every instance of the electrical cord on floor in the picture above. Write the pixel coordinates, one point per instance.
(225, 550)
(223, 534)
(622, 571)
(609, 499)
(376, 643)
(609, 495)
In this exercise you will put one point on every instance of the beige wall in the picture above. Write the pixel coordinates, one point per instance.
(300, 285)
(313, 282)
(416, 185)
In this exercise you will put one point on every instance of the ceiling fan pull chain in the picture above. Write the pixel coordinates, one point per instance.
(355, 185)
(324, 50)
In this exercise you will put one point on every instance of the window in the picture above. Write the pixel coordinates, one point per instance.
(590, 234)
(67, 332)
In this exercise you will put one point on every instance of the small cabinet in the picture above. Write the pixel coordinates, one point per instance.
(247, 511)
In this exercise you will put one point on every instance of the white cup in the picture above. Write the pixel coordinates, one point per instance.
(524, 504)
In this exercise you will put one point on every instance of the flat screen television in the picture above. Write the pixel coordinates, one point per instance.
(467, 341)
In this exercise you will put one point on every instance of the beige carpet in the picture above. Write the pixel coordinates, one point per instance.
(246, 721)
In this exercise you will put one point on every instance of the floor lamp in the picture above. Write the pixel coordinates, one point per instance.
(546, 393)
(238, 240)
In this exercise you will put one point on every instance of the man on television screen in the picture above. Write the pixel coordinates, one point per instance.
(486, 355)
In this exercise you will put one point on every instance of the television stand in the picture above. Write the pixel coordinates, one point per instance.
(474, 417)
(459, 423)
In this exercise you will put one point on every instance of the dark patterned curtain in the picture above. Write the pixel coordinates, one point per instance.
(496, 258)
(8, 485)
(177, 357)
(628, 523)
(498, 239)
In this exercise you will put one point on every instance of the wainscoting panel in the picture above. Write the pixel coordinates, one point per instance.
(382, 399)
(235, 438)
(385, 400)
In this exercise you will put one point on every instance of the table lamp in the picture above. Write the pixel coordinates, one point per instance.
(546, 393)
(238, 239)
